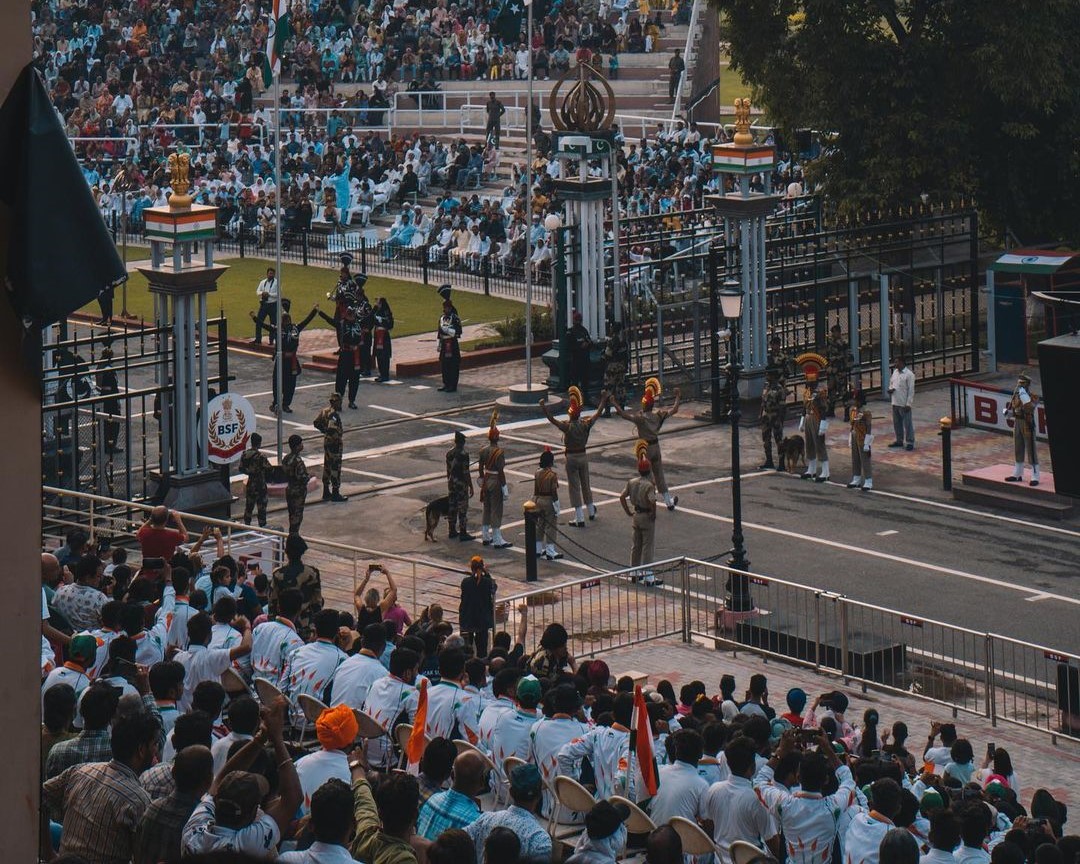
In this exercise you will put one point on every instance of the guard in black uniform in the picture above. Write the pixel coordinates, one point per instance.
(449, 346)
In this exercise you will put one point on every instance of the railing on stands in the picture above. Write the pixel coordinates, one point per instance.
(342, 566)
(199, 133)
(689, 58)
(377, 119)
(962, 669)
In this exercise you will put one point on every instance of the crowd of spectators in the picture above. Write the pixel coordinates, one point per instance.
(147, 756)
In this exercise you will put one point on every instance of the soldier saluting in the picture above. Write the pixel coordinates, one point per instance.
(329, 423)
(1022, 410)
(256, 466)
(296, 479)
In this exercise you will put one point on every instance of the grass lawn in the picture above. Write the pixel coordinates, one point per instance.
(416, 307)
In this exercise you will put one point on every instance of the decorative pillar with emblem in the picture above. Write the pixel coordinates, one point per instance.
(584, 143)
(184, 480)
(744, 212)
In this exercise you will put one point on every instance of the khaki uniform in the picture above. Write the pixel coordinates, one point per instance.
(1024, 426)
(815, 406)
(329, 423)
(296, 476)
(545, 492)
(256, 466)
(491, 466)
(648, 425)
(641, 497)
(861, 465)
(575, 440)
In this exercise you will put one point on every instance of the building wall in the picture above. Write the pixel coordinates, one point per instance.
(20, 523)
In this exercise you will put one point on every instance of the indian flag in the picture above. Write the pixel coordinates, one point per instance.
(276, 35)
(1034, 261)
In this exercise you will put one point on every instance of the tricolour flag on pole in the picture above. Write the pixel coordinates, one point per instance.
(276, 36)
(414, 748)
(641, 745)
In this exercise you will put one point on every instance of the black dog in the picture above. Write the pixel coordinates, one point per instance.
(437, 509)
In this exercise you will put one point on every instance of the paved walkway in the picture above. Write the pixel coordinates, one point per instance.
(1039, 762)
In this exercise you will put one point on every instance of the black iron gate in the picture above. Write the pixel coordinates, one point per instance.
(102, 392)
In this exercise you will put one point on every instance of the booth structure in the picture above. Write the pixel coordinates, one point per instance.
(1016, 318)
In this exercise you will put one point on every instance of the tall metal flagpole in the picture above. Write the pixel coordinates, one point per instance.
(278, 369)
(528, 201)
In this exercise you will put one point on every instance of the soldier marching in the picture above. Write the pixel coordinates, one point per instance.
(329, 423)
(638, 500)
(546, 498)
(648, 422)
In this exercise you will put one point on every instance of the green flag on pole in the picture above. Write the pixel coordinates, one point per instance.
(276, 36)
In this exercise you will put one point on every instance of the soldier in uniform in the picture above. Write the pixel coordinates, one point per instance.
(365, 318)
(256, 466)
(814, 424)
(290, 349)
(449, 348)
(580, 342)
(296, 478)
(575, 440)
(648, 422)
(862, 470)
(344, 293)
(1022, 410)
(838, 353)
(781, 359)
(329, 423)
(546, 496)
(384, 323)
(109, 385)
(350, 354)
(615, 366)
(773, 407)
(459, 488)
(491, 477)
(638, 499)
(304, 578)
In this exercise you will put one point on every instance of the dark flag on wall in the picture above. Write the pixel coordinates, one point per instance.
(60, 254)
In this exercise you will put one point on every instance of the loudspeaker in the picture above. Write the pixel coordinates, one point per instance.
(1059, 369)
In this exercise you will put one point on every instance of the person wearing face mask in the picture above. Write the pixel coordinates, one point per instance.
(605, 834)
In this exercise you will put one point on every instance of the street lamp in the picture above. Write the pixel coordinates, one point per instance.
(738, 585)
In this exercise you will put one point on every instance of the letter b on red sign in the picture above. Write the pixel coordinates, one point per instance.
(986, 410)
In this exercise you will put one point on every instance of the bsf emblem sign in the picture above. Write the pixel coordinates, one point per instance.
(230, 423)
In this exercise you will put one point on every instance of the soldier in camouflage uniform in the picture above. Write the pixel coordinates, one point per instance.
(781, 358)
(838, 353)
(773, 406)
(329, 423)
(296, 478)
(615, 366)
(460, 488)
(256, 466)
(304, 578)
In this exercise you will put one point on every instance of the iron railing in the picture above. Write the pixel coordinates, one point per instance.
(993, 676)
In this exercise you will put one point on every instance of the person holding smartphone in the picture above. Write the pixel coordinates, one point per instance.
(156, 539)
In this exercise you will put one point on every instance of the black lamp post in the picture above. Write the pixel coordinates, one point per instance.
(739, 600)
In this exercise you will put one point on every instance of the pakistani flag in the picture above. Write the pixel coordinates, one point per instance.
(510, 20)
(276, 35)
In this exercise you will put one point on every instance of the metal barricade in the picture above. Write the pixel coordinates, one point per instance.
(1033, 686)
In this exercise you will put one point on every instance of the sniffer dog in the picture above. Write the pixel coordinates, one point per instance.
(792, 453)
(433, 512)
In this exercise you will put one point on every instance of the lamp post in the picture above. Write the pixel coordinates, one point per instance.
(738, 585)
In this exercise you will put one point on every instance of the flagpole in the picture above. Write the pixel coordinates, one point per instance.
(528, 201)
(278, 356)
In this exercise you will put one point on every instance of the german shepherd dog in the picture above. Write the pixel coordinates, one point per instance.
(792, 454)
(433, 512)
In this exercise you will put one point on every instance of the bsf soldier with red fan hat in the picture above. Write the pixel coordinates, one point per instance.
(491, 478)
(648, 422)
(638, 499)
(575, 439)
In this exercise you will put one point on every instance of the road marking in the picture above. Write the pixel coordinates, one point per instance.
(393, 411)
(419, 387)
(886, 533)
(274, 419)
(872, 553)
(532, 441)
(1042, 595)
(301, 387)
(385, 477)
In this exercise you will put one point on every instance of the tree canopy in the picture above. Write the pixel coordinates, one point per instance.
(945, 97)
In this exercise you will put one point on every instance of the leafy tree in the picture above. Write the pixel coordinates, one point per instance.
(946, 97)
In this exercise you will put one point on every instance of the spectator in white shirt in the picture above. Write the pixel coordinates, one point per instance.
(944, 838)
(202, 663)
(902, 396)
(733, 809)
(540, 260)
(862, 841)
(513, 731)
(503, 686)
(807, 819)
(939, 757)
(354, 677)
(336, 730)
(681, 786)
(549, 735)
(267, 292)
(974, 826)
(331, 825)
(607, 748)
(899, 847)
(274, 642)
(167, 686)
(311, 667)
(449, 709)
(242, 717)
(712, 765)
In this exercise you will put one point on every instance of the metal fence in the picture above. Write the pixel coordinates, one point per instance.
(962, 669)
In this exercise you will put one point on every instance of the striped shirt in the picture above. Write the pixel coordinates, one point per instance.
(443, 810)
(102, 804)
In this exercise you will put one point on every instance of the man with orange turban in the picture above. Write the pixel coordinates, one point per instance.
(575, 440)
(336, 730)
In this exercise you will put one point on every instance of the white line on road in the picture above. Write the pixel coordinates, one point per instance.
(273, 420)
(386, 477)
(887, 533)
(397, 411)
(301, 387)
(1042, 595)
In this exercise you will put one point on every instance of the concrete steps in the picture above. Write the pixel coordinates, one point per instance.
(987, 486)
